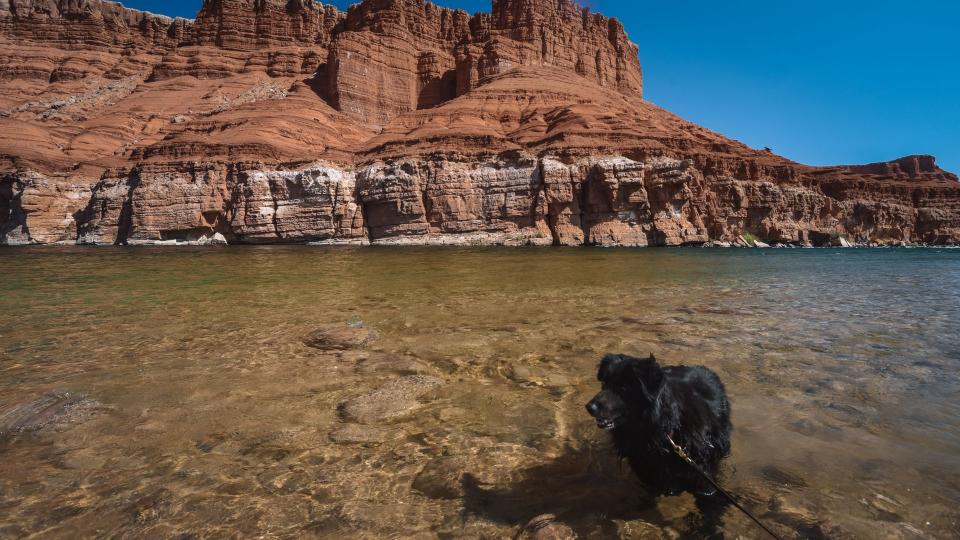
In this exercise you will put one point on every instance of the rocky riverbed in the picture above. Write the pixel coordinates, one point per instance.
(431, 393)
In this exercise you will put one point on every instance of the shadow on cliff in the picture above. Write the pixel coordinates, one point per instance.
(584, 489)
(321, 86)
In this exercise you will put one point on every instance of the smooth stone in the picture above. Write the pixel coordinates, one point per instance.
(885, 509)
(50, 411)
(395, 399)
(546, 527)
(374, 362)
(535, 374)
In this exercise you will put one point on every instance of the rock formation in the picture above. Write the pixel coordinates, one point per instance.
(52, 411)
(397, 121)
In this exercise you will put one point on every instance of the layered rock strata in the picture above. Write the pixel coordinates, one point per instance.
(397, 121)
(508, 201)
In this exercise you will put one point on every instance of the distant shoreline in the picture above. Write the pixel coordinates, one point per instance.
(378, 244)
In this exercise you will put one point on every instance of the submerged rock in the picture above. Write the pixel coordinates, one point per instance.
(546, 527)
(341, 337)
(641, 530)
(782, 477)
(452, 476)
(441, 478)
(542, 374)
(51, 411)
(367, 362)
(358, 434)
(395, 399)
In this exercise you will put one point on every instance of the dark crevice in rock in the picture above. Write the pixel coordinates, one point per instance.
(17, 218)
(336, 219)
(427, 203)
(6, 203)
(224, 223)
(584, 199)
(276, 208)
(364, 211)
(540, 201)
(125, 224)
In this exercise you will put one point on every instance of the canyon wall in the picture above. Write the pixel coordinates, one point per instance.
(516, 201)
(396, 121)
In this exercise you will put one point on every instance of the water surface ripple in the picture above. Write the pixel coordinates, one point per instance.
(465, 418)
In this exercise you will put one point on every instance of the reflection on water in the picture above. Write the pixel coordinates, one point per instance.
(465, 417)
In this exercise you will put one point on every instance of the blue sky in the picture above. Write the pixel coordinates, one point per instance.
(820, 81)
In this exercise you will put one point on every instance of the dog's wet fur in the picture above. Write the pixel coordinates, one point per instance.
(642, 403)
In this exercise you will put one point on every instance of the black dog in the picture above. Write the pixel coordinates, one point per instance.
(644, 405)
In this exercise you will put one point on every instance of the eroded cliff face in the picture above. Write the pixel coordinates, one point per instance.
(397, 121)
(390, 57)
(95, 23)
(38, 210)
(512, 200)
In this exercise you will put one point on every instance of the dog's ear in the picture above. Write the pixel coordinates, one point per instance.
(651, 377)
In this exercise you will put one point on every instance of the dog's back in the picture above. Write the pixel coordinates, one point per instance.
(703, 404)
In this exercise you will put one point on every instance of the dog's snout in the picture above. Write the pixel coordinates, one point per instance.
(593, 408)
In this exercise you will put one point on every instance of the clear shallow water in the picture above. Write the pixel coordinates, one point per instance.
(218, 421)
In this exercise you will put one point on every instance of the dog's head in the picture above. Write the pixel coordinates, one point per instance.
(630, 387)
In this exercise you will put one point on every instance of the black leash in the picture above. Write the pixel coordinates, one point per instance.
(682, 454)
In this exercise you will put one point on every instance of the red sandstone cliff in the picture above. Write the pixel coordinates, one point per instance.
(396, 121)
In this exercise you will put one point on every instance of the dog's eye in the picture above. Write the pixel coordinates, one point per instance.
(618, 387)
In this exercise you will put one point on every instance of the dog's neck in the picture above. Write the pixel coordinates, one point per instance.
(650, 427)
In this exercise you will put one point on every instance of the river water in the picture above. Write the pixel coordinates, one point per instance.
(465, 417)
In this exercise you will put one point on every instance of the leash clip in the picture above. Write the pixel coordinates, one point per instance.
(677, 449)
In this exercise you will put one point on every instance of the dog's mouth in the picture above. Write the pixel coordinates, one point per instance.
(606, 424)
